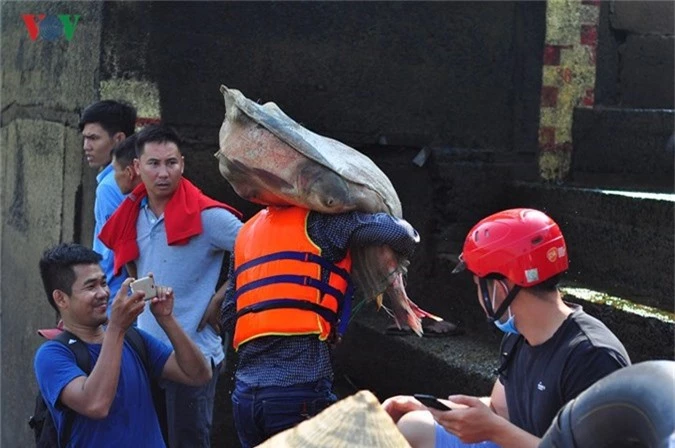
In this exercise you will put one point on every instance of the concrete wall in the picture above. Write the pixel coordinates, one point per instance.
(625, 148)
(624, 141)
(619, 245)
(462, 73)
(635, 55)
(47, 192)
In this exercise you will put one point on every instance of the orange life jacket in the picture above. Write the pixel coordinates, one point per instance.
(278, 277)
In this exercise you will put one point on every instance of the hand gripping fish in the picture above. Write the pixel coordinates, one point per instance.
(270, 159)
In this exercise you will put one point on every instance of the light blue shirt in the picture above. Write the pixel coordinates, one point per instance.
(192, 270)
(108, 198)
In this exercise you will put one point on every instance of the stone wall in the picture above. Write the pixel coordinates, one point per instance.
(635, 55)
(460, 73)
(47, 192)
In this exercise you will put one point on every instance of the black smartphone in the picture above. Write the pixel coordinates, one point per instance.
(431, 402)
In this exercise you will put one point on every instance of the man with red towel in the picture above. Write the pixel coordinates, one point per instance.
(167, 226)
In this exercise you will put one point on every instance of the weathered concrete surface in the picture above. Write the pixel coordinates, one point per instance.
(624, 146)
(635, 55)
(42, 180)
(54, 75)
(392, 365)
(646, 77)
(618, 245)
(643, 17)
(645, 338)
(44, 85)
(125, 36)
(404, 73)
(467, 186)
(607, 59)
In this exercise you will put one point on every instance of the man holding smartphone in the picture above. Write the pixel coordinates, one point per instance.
(551, 352)
(111, 404)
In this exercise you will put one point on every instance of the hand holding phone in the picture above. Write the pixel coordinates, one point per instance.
(431, 402)
(146, 285)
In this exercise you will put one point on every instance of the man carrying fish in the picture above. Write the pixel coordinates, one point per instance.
(333, 220)
(289, 296)
(551, 352)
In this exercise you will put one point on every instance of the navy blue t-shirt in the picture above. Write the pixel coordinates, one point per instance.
(539, 380)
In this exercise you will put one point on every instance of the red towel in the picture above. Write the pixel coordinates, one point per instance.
(182, 219)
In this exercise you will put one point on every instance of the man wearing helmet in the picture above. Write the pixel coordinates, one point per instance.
(551, 350)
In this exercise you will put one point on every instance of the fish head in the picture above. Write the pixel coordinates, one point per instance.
(322, 189)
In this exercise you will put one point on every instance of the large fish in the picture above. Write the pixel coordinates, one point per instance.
(270, 159)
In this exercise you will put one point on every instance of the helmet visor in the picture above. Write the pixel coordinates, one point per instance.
(461, 265)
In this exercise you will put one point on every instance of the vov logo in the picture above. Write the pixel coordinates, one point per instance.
(50, 28)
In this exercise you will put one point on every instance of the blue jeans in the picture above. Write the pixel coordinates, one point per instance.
(261, 412)
(189, 412)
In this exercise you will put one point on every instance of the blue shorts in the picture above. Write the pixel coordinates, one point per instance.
(446, 440)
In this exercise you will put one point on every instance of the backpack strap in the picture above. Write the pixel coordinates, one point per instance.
(83, 361)
(134, 338)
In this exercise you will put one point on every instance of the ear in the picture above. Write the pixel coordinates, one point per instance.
(130, 171)
(182, 165)
(137, 165)
(119, 136)
(60, 299)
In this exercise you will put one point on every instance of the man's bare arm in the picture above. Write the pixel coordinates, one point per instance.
(211, 314)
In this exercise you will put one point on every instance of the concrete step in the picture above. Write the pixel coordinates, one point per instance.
(618, 244)
(390, 365)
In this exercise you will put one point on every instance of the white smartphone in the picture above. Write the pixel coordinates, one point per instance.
(145, 284)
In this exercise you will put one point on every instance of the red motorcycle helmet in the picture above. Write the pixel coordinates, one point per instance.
(522, 244)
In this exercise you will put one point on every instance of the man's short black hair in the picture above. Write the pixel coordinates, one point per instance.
(56, 267)
(113, 116)
(549, 285)
(156, 133)
(125, 151)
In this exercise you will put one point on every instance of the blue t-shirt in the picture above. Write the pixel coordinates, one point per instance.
(108, 198)
(132, 420)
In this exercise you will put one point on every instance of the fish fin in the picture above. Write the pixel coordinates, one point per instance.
(378, 300)
(419, 312)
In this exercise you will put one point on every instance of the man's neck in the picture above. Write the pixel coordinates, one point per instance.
(540, 317)
(157, 205)
(91, 335)
(102, 167)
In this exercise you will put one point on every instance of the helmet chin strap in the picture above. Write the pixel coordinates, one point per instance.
(496, 315)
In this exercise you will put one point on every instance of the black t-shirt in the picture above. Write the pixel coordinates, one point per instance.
(539, 380)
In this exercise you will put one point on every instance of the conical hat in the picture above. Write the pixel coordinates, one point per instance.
(357, 421)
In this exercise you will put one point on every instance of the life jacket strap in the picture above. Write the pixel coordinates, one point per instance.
(272, 304)
(294, 255)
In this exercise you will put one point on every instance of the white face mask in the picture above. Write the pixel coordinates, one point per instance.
(509, 326)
